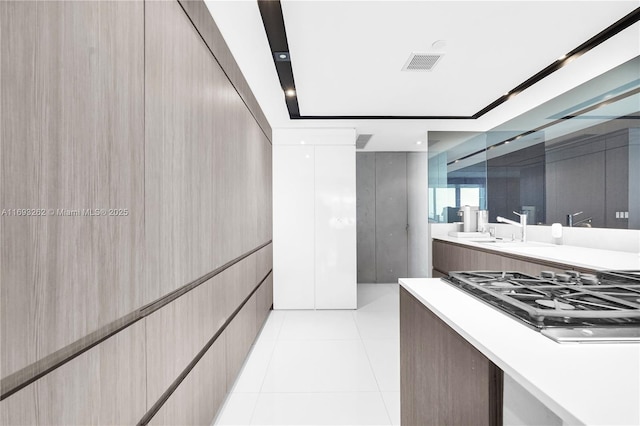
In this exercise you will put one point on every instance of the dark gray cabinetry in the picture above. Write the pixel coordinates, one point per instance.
(444, 380)
(366, 216)
(391, 216)
(449, 257)
(381, 188)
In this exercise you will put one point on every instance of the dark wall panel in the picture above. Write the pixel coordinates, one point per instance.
(366, 216)
(391, 217)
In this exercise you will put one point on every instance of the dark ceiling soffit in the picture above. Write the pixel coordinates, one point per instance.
(273, 21)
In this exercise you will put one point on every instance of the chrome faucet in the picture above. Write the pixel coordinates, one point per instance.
(522, 224)
(570, 218)
(584, 222)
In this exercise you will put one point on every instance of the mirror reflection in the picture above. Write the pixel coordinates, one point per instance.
(574, 160)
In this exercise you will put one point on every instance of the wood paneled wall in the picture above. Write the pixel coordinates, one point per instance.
(123, 105)
(72, 137)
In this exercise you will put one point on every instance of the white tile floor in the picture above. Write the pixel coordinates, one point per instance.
(323, 367)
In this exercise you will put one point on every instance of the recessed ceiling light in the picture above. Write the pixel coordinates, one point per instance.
(419, 143)
(302, 142)
(562, 58)
(506, 142)
(281, 56)
(456, 161)
(290, 92)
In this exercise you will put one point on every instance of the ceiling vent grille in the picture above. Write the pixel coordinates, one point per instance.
(422, 61)
(362, 141)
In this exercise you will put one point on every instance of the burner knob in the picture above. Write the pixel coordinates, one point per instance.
(547, 274)
(563, 278)
(589, 279)
(572, 274)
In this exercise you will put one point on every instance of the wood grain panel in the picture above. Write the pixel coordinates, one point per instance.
(444, 379)
(437, 274)
(105, 385)
(449, 257)
(201, 17)
(238, 282)
(183, 129)
(264, 191)
(71, 138)
(264, 301)
(264, 262)
(179, 330)
(203, 148)
(239, 336)
(198, 398)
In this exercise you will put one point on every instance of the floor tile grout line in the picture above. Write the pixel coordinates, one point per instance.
(278, 338)
(375, 377)
(384, 401)
(233, 391)
(266, 370)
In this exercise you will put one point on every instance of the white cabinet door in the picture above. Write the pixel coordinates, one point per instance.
(335, 227)
(293, 227)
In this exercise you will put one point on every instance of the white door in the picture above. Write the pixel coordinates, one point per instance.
(335, 227)
(293, 227)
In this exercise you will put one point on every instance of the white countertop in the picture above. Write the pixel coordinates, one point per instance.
(594, 384)
(584, 257)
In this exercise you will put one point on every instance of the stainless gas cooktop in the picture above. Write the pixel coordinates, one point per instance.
(566, 307)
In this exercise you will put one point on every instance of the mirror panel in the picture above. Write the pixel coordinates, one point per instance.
(573, 160)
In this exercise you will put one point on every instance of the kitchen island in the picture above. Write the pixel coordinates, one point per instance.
(581, 383)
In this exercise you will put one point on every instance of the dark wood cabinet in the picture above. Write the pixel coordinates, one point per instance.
(448, 257)
(444, 380)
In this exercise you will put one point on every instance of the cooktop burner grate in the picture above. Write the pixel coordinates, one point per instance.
(609, 301)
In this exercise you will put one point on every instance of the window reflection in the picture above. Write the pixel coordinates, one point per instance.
(573, 160)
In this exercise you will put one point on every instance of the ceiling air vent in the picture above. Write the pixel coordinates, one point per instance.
(362, 140)
(422, 61)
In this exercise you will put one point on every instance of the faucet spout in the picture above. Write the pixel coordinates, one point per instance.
(509, 221)
(522, 224)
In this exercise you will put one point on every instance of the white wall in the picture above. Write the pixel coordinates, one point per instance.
(314, 219)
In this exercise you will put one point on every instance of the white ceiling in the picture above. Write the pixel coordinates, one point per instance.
(347, 56)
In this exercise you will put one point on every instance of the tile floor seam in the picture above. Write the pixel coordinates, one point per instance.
(375, 377)
(266, 370)
(253, 411)
(381, 307)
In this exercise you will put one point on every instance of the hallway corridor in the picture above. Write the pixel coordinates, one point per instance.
(323, 367)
